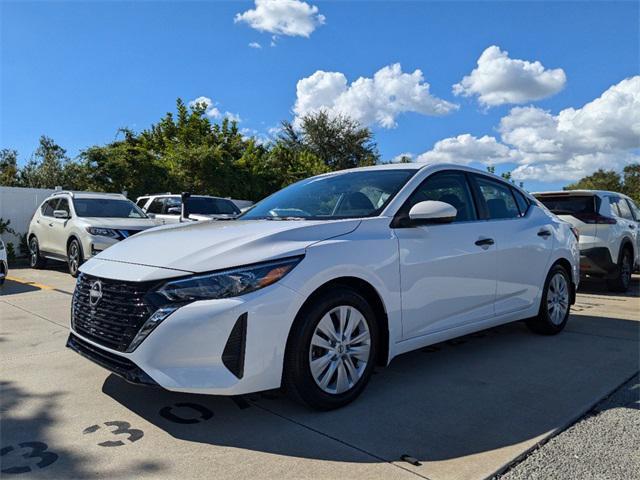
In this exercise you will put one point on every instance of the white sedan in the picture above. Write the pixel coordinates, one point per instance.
(323, 280)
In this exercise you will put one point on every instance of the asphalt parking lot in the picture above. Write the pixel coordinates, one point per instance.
(464, 409)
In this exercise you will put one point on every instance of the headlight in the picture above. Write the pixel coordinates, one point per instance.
(223, 284)
(103, 232)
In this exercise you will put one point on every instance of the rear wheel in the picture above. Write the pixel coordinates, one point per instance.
(625, 267)
(74, 257)
(555, 305)
(35, 259)
(332, 350)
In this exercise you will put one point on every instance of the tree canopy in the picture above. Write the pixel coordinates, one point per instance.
(628, 182)
(185, 151)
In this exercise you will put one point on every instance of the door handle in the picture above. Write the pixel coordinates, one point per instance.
(51, 224)
(485, 242)
(632, 226)
(544, 233)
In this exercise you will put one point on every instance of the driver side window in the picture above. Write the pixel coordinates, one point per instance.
(448, 187)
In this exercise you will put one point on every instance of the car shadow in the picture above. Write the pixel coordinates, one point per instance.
(483, 392)
(599, 287)
(14, 288)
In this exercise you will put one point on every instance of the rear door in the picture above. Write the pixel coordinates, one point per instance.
(447, 271)
(627, 224)
(524, 237)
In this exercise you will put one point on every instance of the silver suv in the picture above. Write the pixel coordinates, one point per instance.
(168, 207)
(74, 226)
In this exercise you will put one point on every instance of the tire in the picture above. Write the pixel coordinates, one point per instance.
(35, 259)
(625, 267)
(342, 370)
(74, 257)
(555, 305)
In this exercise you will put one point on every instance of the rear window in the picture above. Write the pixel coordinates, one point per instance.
(569, 205)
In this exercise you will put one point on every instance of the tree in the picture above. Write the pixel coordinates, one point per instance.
(599, 180)
(631, 181)
(8, 167)
(339, 141)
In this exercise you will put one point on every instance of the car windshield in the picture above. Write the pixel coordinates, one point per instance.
(107, 207)
(211, 206)
(341, 195)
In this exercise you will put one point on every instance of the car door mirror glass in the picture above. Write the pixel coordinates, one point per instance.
(432, 211)
(60, 214)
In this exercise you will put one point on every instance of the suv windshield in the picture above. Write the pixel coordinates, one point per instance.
(211, 206)
(341, 195)
(569, 205)
(107, 207)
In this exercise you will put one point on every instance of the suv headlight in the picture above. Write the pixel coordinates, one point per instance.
(224, 283)
(103, 232)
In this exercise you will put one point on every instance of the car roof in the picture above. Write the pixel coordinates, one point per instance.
(570, 193)
(74, 194)
(175, 195)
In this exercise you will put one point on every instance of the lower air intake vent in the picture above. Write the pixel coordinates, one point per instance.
(233, 354)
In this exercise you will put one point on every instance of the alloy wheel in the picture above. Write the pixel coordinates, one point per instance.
(557, 298)
(340, 349)
(33, 252)
(625, 274)
(74, 257)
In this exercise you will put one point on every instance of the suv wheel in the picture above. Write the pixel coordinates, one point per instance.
(74, 257)
(623, 280)
(35, 260)
(555, 305)
(332, 350)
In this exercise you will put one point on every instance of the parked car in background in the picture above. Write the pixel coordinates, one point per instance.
(167, 207)
(323, 280)
(608, 223)
(74, 226)
(4, 266)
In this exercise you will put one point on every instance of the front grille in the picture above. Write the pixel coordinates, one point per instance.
(127, 233)
(114, 363)
(116, 319)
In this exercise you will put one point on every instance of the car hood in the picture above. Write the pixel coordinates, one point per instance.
(120, 223)
(206, 246)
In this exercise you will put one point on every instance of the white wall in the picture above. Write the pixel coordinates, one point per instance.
(18, 205)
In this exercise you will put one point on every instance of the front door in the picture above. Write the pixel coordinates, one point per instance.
(447, 272)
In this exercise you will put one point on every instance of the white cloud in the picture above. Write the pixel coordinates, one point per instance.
(400, 156)
(233, 117)
(465, 149)
(211, 110)
(378, 100)
(255, 45)
(498, 80)
(283, 17)
(604, 133)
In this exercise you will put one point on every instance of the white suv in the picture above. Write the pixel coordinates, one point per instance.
(608, 223)
(74, 226)
(167, 207)
(324, 279)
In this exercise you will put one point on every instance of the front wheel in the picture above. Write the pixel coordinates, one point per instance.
(555, 305)
(332, 350)
(74, 257)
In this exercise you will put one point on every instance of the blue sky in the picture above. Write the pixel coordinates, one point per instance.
(77, 71)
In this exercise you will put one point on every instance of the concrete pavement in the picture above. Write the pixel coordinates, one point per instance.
(464, 409)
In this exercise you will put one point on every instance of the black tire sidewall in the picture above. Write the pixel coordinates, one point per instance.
(80, 257)
(298, 373)
(34, 245)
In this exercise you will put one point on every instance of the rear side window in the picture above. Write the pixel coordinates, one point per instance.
(141, 203)
(449, 187)
(497, 196)
(569, 205)
(635, 210)
(620, 208)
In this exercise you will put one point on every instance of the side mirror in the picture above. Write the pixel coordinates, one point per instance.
(432, 211)
(174, 210)
(60, 214)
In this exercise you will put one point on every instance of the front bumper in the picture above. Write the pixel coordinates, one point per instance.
(94, 244)
(597, 262)
(200, 348)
